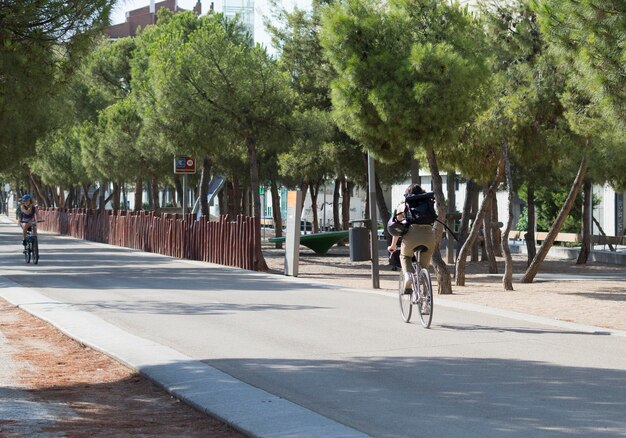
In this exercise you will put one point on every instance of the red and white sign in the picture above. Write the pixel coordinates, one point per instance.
(184, 165)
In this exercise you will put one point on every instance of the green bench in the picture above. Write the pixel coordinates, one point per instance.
(318, 242)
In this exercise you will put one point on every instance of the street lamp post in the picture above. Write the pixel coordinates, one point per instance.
(371, 181)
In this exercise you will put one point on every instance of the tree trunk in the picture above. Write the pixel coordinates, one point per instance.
(415, 171)
(116, 196)
(234, 201)
(473, 234)
(139, 194)
(481, 233)
(585, 249)
(507, 278)
(345, 203)
(154, 186)
(496, 233)
(54, 196)
(382, 205)
(529, 236)
(81, 196)
(205, 178)
(475, 208)
(150, 194)
(532, 270)
(222, 199)
(451, 186)
(91, 202)
(245, 206)
(465, 214)
(336, 192)
(125, 204)
(276, 213)
(78, 198)
(259, 262)
(304, 188)
(102, 196)
(62, 199)
(314, 190)
(487, 226)
(444, 282)
(40, 193)
(346, 190)
(71, 196)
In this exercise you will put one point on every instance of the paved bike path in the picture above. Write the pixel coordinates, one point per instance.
(341, 358)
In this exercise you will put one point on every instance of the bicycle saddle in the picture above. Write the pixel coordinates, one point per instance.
(420, 248)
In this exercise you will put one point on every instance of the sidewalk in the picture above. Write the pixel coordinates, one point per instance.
(592, 294)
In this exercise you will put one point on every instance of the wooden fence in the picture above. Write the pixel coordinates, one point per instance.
(225, 242)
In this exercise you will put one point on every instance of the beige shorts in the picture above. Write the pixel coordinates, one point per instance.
(416, 236)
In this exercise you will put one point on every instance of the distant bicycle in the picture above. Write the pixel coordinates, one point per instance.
(31, 251)
(421, 295)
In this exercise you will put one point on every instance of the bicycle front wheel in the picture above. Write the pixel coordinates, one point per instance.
(406, 305)
(27, 252)
(35, 251)
(425, 302)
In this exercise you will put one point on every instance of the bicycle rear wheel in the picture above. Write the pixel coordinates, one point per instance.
(425, 303)
(406, 305)
(35, 250)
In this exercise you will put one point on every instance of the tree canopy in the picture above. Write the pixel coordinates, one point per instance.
(41, 43)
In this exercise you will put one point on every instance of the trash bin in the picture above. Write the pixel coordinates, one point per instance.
(359, 238)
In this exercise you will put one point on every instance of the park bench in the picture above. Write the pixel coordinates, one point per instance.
(320, 243)
(560, 237)
(609, 240)
(541, 236)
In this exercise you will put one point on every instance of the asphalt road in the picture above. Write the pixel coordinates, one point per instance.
(345, 354)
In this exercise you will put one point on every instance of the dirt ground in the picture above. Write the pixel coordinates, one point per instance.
(582, 296)
(88, 393)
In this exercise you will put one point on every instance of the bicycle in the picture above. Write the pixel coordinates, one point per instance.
(31, 252)
(421, 294)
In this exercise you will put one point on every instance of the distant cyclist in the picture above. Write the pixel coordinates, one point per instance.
(27, 215)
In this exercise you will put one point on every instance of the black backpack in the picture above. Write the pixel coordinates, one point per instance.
(420, 209)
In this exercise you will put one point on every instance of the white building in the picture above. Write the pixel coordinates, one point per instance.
(244, 9)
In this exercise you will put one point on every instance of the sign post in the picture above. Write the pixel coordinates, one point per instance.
(184, 165)
(292, 240)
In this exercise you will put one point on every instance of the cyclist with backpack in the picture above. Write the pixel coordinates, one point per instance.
(413, 220)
